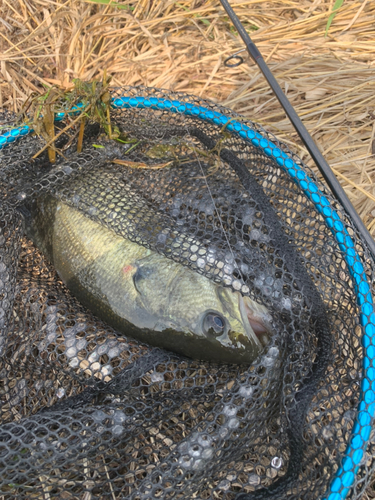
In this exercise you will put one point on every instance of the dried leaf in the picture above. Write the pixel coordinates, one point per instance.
(315, 94)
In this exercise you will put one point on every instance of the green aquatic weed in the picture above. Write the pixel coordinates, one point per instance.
(85, 102)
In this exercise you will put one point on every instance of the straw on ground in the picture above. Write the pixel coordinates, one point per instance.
(181, 46)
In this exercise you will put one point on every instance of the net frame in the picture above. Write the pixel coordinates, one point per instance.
(360, 435)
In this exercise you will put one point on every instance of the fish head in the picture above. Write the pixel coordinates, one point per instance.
(236, 323)
(220, 323)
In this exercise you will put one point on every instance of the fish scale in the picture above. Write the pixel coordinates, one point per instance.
(142, 223)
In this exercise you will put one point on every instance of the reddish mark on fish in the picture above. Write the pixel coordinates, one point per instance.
(127, 269)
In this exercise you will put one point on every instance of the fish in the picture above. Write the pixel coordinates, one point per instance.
(138, 290)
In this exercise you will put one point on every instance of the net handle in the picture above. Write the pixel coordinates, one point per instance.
(360, 435)
(301, 130)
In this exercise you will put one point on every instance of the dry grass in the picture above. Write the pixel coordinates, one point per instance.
(181, 46)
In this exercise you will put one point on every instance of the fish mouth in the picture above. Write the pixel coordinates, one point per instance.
(255, 324)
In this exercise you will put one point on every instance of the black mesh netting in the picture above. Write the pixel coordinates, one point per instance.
(87, 412)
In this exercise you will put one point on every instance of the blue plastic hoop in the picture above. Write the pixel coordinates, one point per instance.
(359, 439)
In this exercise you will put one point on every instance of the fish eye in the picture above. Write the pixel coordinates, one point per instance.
(214, 324)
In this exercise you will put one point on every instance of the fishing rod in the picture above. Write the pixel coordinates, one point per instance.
(301, 130)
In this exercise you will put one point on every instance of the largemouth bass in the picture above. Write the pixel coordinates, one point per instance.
(137, 290)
